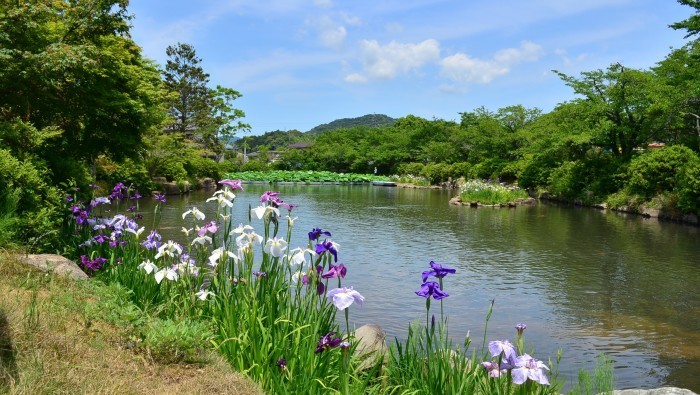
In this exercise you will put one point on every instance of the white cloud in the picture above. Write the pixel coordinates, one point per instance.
(462, 68)
(385, 62)
(355, 78)
(330, 33)
(324, 3)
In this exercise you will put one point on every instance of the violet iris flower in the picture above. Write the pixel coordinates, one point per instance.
(160, 198)
(233, 184)
(497, 347)
(327, 246)
(343, 297)
(92, 264)
(208, 227)
(438, 271)
(494, 370)
(327, 342)
(269, 196)
(316, 233)
(520, 328)
(527, 367)
(334, 271)
(431, 288)
(152, 241)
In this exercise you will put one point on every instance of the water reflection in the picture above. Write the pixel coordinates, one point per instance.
(585, 281)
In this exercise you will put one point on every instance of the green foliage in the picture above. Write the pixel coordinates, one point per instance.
(26, 196)
(603, 381)
(199, 113)
(589, 180)
(303, 176)
(181, 340)
(201, 167)
(437, 172)
(688, 186)
(413, 168)
(255, 165)
(369, 120)
(657, 170)
(127, 171)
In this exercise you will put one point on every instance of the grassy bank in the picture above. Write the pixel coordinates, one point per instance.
(60, 336)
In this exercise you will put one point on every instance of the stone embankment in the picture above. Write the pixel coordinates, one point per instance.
(457, 201)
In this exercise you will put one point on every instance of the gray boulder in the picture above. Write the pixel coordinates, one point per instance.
(657, 391)
(54, 263)
(371, 346)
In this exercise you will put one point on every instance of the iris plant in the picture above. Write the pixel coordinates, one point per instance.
(327, 342)
(527, 367)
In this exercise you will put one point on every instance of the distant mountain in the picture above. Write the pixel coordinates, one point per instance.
(370, 120)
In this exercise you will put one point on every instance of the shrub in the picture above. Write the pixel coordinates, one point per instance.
(413, 168)
(201, 167)
(688, 186)
(255, 165)
(656, 171)
(437, 172)
(127, 171)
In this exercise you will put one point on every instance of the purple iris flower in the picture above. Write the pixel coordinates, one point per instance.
(334, 271)
(99, 200)
(327, 342)
(316, 233)
(132, 208)
(233, 184)
(431, 288)
(527, 367)
(327, 246)
(69, 198)
(208, 227)
(269, 196)
(136, 196)
(520, 328)
(282, 364)
(494, 369)
(152, 241)
(160, 198)
(100, 238)
(92, 264)
(497, 347)
(438, 271)
(288, 206)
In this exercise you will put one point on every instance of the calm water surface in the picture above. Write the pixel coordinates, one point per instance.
(584, 281)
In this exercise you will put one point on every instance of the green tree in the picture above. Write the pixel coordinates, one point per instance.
(627, 105)
(70, 68)
(199, 112)
(692, 23)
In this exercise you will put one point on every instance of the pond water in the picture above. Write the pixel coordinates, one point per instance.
(583, 280)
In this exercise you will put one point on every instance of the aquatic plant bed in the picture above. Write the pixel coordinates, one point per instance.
(478, 193)
(309, 176)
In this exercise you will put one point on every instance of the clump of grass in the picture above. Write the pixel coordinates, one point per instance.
(490, 193)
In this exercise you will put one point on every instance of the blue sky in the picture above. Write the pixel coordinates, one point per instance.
(300, 63)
